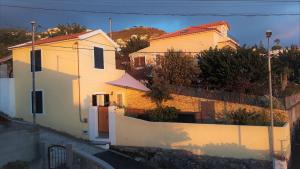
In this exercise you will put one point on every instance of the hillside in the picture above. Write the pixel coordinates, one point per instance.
(123, 35)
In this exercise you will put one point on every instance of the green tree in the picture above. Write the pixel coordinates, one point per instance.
(243, 70)
(159, 91)
(10, 37)
(288, 62)
(261, 48)
(276, 44)
(134, 44)
(177, 68)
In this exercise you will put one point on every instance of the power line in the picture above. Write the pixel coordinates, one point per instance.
(152, 14)
(70, 47)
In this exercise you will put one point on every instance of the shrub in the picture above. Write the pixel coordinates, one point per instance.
(265, 102)
(262, 118)
(163, 114)
(239, 117)
(16, 165)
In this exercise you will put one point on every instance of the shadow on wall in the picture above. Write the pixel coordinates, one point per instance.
(60, 96)
(207, 139)
(171, 136)
(226, 150)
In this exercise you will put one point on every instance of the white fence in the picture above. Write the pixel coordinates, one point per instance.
(7, 96)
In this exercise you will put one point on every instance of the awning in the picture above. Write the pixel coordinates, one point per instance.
(129, 82)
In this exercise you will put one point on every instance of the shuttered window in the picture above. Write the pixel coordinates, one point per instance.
(98, 58)
(38, 60)
(39, 102)
(139, 62)
(100, 100)
(142, 61)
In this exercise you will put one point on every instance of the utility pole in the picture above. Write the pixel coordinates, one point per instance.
(33, 23)
(268, 35)
(110, 27)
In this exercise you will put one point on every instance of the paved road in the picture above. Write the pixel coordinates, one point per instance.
(121, 162)
(115, 160)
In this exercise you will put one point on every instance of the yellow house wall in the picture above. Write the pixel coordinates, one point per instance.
(195, 42)
(94, 80)
(207, 139)
(59, 82)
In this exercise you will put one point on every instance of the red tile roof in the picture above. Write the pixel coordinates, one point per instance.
(54, 39)
(194, 29)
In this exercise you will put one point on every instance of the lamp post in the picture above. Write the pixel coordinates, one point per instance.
(33, 96)
(268, 35)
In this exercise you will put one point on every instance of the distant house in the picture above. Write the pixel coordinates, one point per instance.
(73, 73)
(193, 40)
(5, 68)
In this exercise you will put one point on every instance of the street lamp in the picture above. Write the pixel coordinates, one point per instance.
(33, 24)
(268, 35)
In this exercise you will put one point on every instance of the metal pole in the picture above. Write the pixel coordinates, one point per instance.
(271, 99)
(33, 73)
(110, 27)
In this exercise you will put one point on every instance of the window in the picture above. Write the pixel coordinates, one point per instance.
(39, 102)
(100, 100)
(139, 61)
(38, 60)
(98, 58)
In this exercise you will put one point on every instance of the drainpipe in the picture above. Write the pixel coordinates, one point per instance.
(79, 91)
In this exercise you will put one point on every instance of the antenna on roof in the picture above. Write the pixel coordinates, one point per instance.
(110, 27)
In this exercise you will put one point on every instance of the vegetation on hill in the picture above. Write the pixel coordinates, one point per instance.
(144, 32)
(63, 29)
(10, 37)
(134, 44)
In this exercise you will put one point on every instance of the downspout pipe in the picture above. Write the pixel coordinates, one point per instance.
(79, 88)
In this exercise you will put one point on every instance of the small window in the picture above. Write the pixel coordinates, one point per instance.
(38, 60)
(98, 58)
(139, 62)
(39, 102)
(100, 100)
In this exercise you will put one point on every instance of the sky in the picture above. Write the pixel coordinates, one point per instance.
(246, 29)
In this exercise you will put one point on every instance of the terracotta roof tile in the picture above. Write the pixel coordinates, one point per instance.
(54, 39)
(194, 29)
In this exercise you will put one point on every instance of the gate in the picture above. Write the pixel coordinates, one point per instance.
(103, 126)
(57, 157)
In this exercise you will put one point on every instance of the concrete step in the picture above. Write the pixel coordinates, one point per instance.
(101, 144)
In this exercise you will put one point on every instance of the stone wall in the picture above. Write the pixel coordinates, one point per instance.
(177, 159)
(137, 99)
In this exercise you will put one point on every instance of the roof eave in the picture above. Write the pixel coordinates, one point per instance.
(99, 31)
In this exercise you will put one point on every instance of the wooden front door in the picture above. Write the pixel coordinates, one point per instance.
(103, 121)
